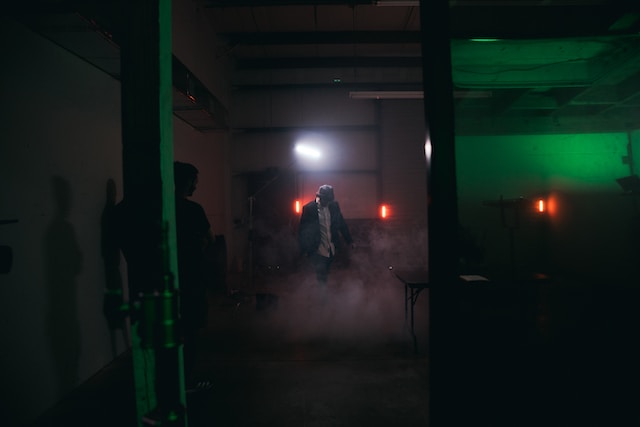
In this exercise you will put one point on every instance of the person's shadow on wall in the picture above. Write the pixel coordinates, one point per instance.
(63, 264)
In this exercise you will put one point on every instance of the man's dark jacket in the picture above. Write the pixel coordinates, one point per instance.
(309, 231)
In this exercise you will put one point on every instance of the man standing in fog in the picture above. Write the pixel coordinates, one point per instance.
(321, 225)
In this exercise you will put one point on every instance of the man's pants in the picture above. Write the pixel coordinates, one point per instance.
(321, 265)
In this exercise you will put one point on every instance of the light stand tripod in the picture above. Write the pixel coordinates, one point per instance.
(302, 150)
(251, 236)
(516, 205)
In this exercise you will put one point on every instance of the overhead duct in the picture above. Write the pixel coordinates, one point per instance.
(193, 103)
(99, 46)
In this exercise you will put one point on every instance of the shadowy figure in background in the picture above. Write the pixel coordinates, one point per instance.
(112, 307)
(194, 236)
(63, 263)
(321, 225)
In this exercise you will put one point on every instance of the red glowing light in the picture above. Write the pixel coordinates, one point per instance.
(296, 206)
(541, 206)
(384, 211)
(552, 205)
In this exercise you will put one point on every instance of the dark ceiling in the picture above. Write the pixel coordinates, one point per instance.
(556, 66)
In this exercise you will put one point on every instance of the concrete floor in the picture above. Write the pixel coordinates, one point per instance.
(280, 353)
(552, 355)
(294, 356)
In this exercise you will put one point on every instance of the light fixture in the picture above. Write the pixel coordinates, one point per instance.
(308, 151)
(384, 212)
(386, 94)
(484, 39)
(405, 3)
(414, 94)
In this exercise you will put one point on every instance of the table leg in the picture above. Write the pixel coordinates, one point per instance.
(415, 292)
(413, 303)
(405, 304)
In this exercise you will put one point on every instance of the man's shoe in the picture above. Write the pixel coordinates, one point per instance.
(200, 386)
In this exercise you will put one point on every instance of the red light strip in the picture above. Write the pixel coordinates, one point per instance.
(384, 211)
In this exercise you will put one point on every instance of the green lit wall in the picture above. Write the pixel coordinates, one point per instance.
(590, 228)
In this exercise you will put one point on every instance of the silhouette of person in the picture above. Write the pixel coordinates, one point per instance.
(321, 225)
(194, 236)
(113, 302)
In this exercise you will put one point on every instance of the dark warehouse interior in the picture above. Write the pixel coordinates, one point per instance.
(483, 154)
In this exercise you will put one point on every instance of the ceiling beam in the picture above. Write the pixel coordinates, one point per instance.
(452, 3)
(507, 22)
(321, 37)
(543, 22)
(329, 62)
(267, 3)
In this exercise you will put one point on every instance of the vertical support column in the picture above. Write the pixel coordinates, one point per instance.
(442, 208)
(149, 210)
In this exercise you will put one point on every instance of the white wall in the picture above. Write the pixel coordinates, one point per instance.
(404, 178)
(206, 153)
(192, 36)
(60, 121)
(61, 142)
(373, 153)
(383, 137)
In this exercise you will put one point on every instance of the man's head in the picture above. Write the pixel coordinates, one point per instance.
(325, 194)
(185, 178)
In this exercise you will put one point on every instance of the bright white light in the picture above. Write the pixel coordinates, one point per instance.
(427, 150)
(308, 151)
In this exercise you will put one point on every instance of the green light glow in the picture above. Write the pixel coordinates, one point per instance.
(520, 165)
(588, 223)
(487, 62)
